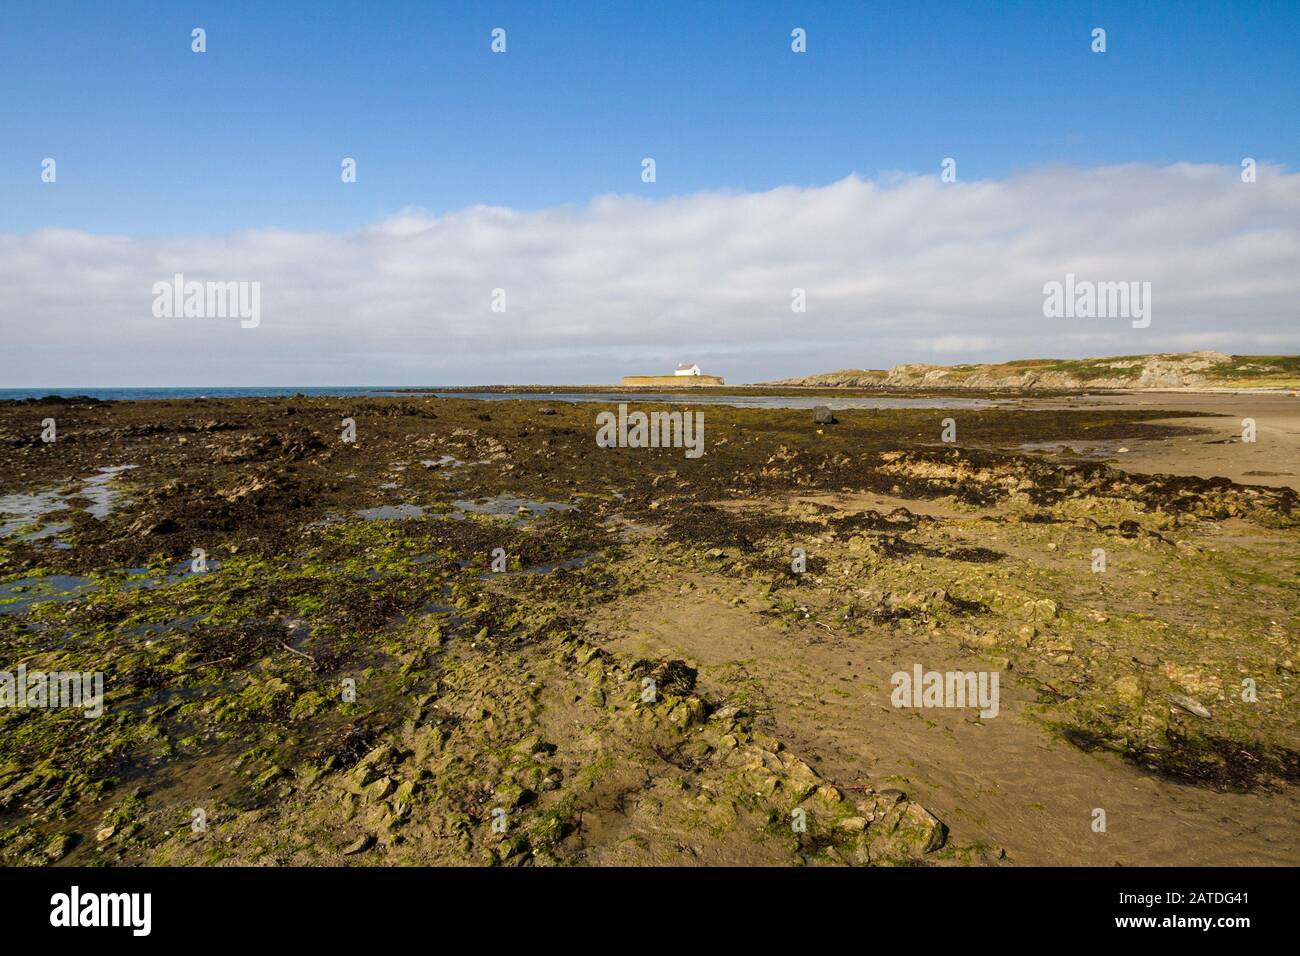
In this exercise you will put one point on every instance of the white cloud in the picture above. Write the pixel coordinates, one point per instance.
(905, 270)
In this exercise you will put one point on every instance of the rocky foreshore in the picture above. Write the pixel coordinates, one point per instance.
(419, 630)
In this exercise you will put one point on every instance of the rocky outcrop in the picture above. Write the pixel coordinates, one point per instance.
(1142, 371)
(1169, 370)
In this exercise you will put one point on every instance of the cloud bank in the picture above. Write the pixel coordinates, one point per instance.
(901, 269)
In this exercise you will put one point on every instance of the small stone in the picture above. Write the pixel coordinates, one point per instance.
(533, 743)
(360, 844)
(104, 834)
(510, 795)
(1189, 704)
(59, 846)
(1128, 689)
(1046, 608)
(923, 829)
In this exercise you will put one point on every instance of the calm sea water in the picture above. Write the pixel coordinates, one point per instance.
(143, 394)
(740, 401)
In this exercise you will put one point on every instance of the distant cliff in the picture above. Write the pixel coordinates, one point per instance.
(1169, 370)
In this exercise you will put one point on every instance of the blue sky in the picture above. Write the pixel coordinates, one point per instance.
(521, 172)
(154, 140)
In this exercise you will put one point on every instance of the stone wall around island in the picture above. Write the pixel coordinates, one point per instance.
(672, 381)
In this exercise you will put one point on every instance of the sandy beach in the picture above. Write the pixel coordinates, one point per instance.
(1272, 459)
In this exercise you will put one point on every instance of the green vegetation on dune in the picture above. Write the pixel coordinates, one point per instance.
(1158, 370)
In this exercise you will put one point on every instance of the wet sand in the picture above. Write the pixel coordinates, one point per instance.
(1272, 459)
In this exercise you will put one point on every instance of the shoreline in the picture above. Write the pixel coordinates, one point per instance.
(31, 395)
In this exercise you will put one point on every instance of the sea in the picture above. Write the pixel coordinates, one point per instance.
(365, 391)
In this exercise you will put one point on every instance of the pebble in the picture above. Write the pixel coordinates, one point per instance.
(1189, 704)
(360, 844)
